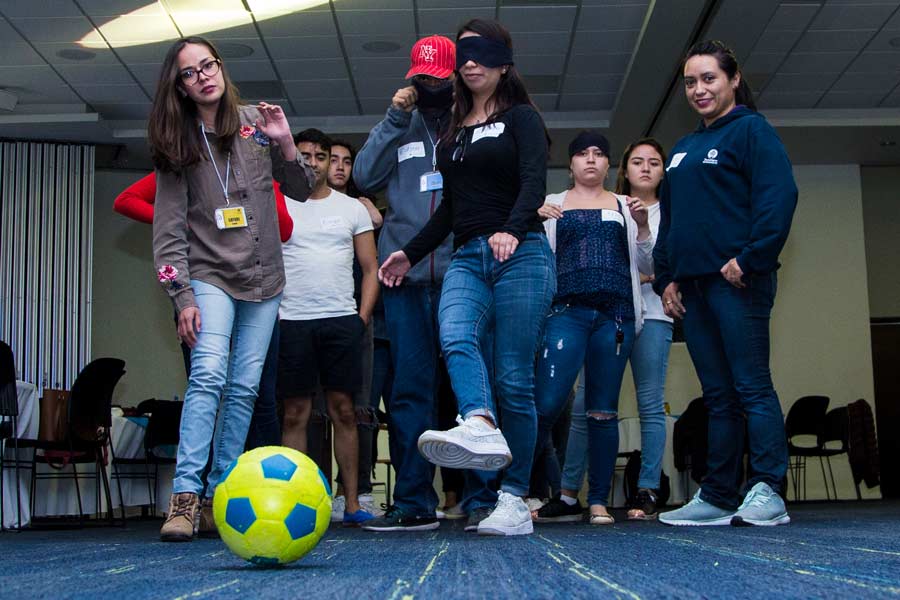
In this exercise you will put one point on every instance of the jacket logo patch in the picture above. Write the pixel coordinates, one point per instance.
(676, 160)
(711, 157)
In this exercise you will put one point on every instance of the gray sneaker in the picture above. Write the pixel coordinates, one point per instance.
(473, 444)
(477, 516)
(510, 517)
(697, 512)
(762, 506)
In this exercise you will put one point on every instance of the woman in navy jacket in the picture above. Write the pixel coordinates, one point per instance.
(726, 207)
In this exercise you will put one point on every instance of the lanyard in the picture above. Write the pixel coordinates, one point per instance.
(433, 145)
(224, 183)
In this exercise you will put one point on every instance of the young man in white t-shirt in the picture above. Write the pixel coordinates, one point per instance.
(321, 329)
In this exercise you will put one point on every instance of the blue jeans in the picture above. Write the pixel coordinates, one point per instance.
(508, 301)
(412, 325)
(649, 360)
(576, 336)
(265, 426)
(218, 373)
(727, 335)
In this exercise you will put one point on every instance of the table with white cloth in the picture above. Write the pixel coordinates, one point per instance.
(57, 497)
(629, 440)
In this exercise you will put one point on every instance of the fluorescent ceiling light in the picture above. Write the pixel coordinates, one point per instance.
(149, 24)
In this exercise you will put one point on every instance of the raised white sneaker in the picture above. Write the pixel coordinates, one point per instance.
(337, 509)
(368, 504)
(473, 444)
(509, 517)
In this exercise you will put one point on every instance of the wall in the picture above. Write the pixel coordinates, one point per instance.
(881, 191)
(132, 317)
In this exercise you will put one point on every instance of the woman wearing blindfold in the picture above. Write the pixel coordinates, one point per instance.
(502, 278)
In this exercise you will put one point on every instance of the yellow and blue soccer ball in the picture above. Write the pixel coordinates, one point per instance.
(272, 505)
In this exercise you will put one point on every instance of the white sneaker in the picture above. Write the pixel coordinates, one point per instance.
(509, 517)
(534, 504)
(337, 509)
(473, 444)
(368, 504)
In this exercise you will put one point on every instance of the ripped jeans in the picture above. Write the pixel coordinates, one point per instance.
(576, 336)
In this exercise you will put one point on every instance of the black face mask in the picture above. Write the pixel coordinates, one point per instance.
(439, 97)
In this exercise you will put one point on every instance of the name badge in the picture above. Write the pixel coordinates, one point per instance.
(329, 223)
(676, 160)
(232, 217)
(431, 181)
(411, 150)
(488, 131)
(612, 215)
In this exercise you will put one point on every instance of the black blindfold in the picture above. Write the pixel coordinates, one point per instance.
(483, 51)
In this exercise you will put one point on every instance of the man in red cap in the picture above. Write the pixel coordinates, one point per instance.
(400, 155)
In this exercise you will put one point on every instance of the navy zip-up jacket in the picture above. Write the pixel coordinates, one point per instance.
(728, 192)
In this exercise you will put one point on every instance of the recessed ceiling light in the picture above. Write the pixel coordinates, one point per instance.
(233, 50)
(380, 47)
(76, 54)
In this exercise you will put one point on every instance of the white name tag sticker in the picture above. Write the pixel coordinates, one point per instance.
(232, 217)
(411, 150)
(329, 223)
(612, 215)
(676, 160)
(488, 131)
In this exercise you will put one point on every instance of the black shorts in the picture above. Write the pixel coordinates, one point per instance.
(325, 351)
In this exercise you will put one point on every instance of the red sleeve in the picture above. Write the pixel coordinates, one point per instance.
(136, 202)
(285, 222)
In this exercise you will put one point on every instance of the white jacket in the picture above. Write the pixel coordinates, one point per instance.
(640, 254)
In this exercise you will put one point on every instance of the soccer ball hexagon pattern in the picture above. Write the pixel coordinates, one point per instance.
(272, 505)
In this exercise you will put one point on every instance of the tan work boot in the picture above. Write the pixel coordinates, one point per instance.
(208, 527)
(182, 520)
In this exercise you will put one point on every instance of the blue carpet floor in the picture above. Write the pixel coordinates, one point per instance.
(835, 550)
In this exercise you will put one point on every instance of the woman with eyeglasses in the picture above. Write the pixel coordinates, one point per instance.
(726, 210)
(501, 279)
(217, 251)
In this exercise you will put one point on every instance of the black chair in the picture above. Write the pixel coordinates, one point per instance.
(837, 429)
(87, 438)
(9, 424)
(161, 435)
(690, 442)
(805, 417)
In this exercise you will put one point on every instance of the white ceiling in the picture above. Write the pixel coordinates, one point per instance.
(611, 64)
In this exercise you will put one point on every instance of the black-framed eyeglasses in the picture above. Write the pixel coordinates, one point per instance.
(191, 77)
(459, 150)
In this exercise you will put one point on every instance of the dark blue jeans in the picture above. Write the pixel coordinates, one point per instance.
(727, 335)
(412, 326)
(483, 300)
(576, 336)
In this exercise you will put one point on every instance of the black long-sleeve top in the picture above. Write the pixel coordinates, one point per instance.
(497, 183)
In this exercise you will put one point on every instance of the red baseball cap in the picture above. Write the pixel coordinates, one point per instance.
(434, 55)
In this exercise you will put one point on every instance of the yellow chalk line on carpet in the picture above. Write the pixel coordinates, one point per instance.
(585, 572)
(786, 542)
(118, 570)
(199, 593)
(430, 567)
(401, 585)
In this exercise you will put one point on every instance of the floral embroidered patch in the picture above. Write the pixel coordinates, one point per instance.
(247, 130)
(167, 276)
(261, 138)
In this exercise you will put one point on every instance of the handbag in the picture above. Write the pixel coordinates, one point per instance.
(54, 415)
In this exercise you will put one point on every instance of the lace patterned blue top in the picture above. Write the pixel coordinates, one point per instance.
(592, 265)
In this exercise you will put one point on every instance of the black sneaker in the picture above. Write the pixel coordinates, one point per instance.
(644, 506)
(395, 519)
(477, 516)
(557, 511)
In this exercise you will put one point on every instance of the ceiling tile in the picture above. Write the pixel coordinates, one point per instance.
(309, 47)
(144, 53)
(52, 53)
(385, 22)
(382, 87)
(854, 16)
(817, 62)
(355, 45)
(138, 29)
(798, 100)
(595, 64)
(40, 8)
(59, 29)
(379, 67)
(876, 81)
(893, 22)
(592, 84)
(115, 8)
(851, 100)
(800, 82)
(375, 105)
(18, 53)
(120, 111)
(525, 19)
(587, 101)
(882, 42)
(111, 93)
(793, 16)
(893, 100)
(460, 4)
(251, 70)
(776, 41)
(95, 74)
(876, 61)
(29, 77)
(311, 69)
(612, 18)
(306, 22)
(545, 102)
(594, 42)
(540, 43)
(52, 95)
(833, 41)
(540, 64)
(345, 5)
(328, 107)
(763, 62)
(322, 88)
(434, 21)
(244, 30)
